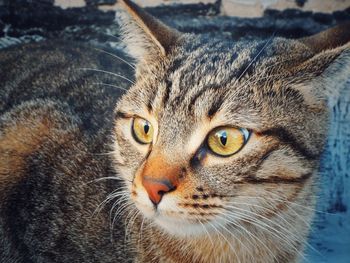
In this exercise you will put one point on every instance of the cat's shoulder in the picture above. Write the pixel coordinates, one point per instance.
(36, 126)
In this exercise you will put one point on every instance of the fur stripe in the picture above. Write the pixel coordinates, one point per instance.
(121, 115)
(167, 92)
(276, 180)
(198, 95)
(287, 138)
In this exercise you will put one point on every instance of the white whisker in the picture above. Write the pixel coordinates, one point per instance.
(256, 57)
(269, 229)
(229, 243)
(250, 234)
(110, 85)
(116, 56)
(109, 73)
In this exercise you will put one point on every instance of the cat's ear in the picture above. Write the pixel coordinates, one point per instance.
(322, 76)
(145, 37)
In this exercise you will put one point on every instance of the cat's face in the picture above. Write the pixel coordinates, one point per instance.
(216, 135)
(219, 141)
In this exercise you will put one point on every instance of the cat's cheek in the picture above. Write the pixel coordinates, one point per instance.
(126, 173)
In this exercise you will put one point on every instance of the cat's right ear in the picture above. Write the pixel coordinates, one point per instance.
(145, 37)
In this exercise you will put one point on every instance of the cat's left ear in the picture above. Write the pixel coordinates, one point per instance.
(322, 76)
(145, 36)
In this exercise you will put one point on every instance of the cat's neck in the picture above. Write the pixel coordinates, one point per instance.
(213, 247)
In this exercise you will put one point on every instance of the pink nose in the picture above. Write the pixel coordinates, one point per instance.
(156, 188)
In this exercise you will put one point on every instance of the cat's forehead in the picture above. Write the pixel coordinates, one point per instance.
(204, 63)
(216, 72)
(198, 58)
(204, 77)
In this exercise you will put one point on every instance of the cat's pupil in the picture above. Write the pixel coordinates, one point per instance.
(146, 128)
(223, 138)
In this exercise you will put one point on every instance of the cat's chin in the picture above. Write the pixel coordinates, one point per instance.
(180, 227)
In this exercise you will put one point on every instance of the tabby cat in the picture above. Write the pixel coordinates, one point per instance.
(210, 156)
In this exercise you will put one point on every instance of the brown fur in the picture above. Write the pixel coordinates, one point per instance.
(269, 181)
(21, 139)
(57, 130)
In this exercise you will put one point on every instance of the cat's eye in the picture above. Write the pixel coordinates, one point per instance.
(142, 130)
(226, 141)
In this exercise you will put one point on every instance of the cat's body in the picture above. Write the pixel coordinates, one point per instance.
(53, 146)
(179, 197)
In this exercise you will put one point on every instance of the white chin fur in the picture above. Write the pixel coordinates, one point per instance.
(173, 226)
(179, 227)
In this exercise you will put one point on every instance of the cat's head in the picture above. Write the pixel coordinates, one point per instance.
(216, 133)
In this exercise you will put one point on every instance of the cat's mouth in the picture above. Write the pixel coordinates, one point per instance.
(180, 212)
(180, 224)
(176, 218)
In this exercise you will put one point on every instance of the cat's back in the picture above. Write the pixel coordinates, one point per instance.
(87, 79)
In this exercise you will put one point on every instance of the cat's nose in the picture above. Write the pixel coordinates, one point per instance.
(160, 176)
(156, 188)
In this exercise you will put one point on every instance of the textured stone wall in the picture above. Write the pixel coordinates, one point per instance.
(242, 8)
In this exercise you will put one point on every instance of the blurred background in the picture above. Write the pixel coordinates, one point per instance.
(93, 21)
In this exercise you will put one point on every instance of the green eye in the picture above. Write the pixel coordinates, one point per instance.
(142, 130)
(226, 141)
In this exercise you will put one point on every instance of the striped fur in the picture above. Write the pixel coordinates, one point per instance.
(64, 129)
(254, 206)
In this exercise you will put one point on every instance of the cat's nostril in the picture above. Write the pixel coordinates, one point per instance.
(172, 188)
(161, 193)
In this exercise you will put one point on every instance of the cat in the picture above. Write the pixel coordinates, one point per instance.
(207, 151)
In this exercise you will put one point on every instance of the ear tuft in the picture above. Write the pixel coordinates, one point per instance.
(143, 34)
